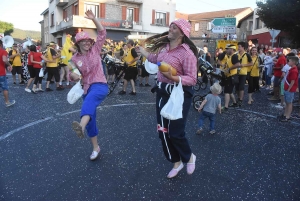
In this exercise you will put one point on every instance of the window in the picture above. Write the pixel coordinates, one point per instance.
(76, 11)
(52, 19)
(129, 14)
(196, 26)
(59, 42)
(250, 26)
(160, 19)
(65, 14)
(93, 7)
(257, 23)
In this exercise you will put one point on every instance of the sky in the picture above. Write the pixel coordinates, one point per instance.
(26, 14)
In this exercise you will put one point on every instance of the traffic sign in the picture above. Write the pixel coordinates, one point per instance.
(273, 41)
(274, 33)
(224, 21)
(224, 29)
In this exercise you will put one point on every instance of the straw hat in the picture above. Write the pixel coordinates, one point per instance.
(216, 88)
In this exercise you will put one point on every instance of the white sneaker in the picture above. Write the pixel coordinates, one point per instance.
(279, 107)
(10, 103)
(95, 154)
(28, 90)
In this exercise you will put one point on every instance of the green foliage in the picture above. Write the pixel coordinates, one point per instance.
(283, 15)
(6, 27)
(23, 34)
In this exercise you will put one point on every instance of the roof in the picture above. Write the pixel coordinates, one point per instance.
(45, 11)
(181, 15)
(244, 18)
(216, 14)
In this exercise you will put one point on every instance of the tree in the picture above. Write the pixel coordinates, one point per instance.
(6, 28)
(283, 15)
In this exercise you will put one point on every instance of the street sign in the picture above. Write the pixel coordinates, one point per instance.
(224, 29)
(274, 33)
(273, 41)
(224, 22)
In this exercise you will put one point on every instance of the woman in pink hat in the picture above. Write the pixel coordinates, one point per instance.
(88, 62)
(175, 48)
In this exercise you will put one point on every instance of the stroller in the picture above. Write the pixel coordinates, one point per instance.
(207, 76)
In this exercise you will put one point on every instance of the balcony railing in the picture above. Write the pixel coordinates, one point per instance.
(132, 1)
(61, 3)
(82, 22)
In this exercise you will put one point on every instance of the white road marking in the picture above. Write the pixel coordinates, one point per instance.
(23, 127)
(2, 137)
(108, 106)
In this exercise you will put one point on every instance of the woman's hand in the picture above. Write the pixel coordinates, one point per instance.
(168, 74)
(75, 77)
(90, 15)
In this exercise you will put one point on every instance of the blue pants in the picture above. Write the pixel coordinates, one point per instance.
(95, 95)
(268, 78)
(211, 117)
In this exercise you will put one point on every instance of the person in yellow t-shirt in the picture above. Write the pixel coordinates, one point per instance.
(130, 59)
(253, 81)
(230, 71)
(15, 59)
(245, 62)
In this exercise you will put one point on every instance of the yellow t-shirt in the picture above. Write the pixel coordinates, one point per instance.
(255, 68)
(49, 56)
(229, 65)
(244, 60)
(16, 60)
(128, 58)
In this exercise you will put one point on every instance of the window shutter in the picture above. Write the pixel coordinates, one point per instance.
(102, 10)
(137, 15)
(124, 12)
(153, 16)
(73, 10)
(168, 19)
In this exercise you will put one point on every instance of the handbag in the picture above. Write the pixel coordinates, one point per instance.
(75, 93)
(41, 74)
(172, 110)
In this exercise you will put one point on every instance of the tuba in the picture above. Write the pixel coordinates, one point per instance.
(7, 41)
(27, 43)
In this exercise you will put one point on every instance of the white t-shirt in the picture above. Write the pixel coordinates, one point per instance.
(285, 70)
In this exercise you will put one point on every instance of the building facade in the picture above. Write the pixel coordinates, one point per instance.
(252, 28)
(201, 21)
(120, 17)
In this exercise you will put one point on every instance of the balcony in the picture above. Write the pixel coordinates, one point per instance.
(82, 22)
(61, 3)
(132, 1)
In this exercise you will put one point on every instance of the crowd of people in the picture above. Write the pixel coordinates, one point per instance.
(276, 70)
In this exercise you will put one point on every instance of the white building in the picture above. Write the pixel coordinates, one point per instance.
(120, 17)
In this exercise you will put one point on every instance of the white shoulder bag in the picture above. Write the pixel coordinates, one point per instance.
(173, 108)
(75, 93)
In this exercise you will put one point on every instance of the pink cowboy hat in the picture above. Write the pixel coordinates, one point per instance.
(184, 26)
(82, 36)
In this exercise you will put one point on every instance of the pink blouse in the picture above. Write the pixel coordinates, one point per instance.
(90, 65)
(182, 59)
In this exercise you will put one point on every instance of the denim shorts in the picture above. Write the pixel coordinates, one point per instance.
(289, 96)
(3, 83)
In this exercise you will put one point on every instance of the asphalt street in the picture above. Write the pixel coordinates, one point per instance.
(251, 157)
